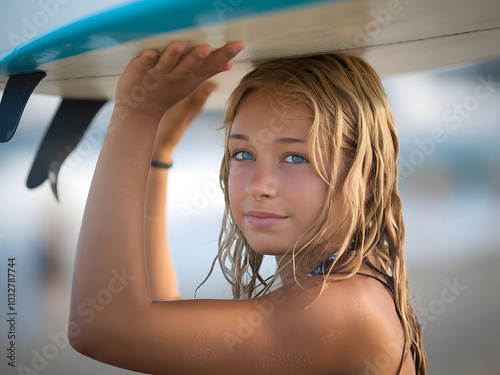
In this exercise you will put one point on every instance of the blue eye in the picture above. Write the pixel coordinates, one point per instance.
(243, 155)
(296, 159)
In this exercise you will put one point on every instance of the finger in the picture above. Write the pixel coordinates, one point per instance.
(206, 88)
(224, 68)
(188, 108)
(193, 59)
(193, 104)
(200, 95)
(147, 59)
(218, 59)
(170, 57)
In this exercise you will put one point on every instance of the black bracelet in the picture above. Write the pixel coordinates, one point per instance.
(159, 164)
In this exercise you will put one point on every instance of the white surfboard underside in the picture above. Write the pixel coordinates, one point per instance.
(394, 36)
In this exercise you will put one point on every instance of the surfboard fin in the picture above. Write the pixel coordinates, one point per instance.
(66, 130)
(17, 91)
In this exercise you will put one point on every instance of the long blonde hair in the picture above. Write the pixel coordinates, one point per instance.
(352, 115)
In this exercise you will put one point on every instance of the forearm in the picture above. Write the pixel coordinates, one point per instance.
(110, 269)
(161, 274)
(112, 234)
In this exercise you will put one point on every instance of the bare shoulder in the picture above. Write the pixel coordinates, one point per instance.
(376, 325)
(352, 327)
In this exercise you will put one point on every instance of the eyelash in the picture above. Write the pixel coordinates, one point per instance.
(235, 153)
(300, 156)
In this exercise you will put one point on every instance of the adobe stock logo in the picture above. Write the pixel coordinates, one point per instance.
(58, 342)
(485, 89)
(34, 24)
(437, 306)
(223, 6)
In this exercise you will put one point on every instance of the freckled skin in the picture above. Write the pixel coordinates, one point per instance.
(272, 182)
(204, 351)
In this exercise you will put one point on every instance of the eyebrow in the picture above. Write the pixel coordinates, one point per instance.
(283, 140)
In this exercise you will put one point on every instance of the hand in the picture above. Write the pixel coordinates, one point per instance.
(177, 119)
(152, 83)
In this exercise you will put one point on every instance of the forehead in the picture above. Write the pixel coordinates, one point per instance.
(260, 113)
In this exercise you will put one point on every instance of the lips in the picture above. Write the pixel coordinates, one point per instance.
(264, 219)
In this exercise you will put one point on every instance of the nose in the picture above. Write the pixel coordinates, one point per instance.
(263, 183)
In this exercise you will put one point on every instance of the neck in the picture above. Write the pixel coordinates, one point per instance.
(288, 271)
(285, 268)
(302, 266)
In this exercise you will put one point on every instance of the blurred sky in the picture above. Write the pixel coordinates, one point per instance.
(449, 128)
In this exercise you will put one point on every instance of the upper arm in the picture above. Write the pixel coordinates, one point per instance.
(281, 332)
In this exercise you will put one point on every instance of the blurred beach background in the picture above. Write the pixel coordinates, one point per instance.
(449, 127)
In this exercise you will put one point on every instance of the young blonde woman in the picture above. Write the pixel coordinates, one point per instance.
(309, 176)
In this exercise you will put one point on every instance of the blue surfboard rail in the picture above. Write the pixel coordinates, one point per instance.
(133, 21)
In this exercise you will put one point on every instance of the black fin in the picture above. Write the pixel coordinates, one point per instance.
(15, 96)
(66, 130)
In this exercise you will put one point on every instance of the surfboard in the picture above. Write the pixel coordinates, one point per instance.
(82, 60)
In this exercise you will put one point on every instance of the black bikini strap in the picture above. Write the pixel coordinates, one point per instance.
(381, 281)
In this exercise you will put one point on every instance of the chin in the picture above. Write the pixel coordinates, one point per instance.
(266, 248)
(267, 251)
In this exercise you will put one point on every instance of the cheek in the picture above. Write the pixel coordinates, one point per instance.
(236, 183)
(309, 191)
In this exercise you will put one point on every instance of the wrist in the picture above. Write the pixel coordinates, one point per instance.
(163, 156)
(159, 164)
(124, 112)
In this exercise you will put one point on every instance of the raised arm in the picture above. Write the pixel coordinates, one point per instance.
(161, 274)
(113, 318)
(110, 261)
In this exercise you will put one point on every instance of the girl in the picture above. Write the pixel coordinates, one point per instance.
(309, 175)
